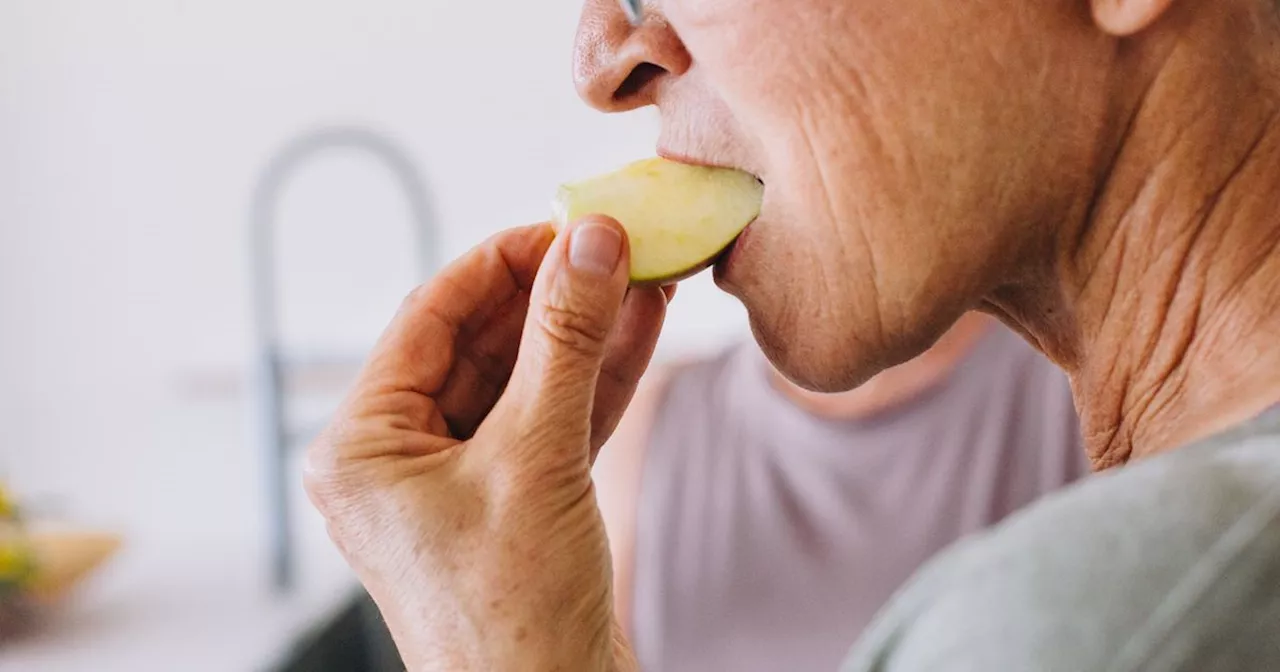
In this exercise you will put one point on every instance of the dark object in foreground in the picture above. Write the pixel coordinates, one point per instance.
(354, 640)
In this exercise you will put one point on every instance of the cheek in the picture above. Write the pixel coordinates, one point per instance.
(746, 48)
(796, 122)
(883, 146)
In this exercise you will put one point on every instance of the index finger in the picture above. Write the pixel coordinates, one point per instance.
(418, 350)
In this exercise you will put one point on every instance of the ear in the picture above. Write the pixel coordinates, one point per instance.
(1123, 18)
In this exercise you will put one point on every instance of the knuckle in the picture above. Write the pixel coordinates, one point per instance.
(326, 478)
(574, 330)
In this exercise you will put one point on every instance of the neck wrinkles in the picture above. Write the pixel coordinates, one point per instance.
(1172, 286)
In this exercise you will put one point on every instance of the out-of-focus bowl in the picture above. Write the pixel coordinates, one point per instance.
(63, 558)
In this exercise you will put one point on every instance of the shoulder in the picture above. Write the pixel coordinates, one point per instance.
(1012, 351)
(623, 455)
(618, 470)
(1016, 371)
(1119, 572)
(1027, 400)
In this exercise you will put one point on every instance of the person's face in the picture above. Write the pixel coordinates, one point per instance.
(912, 152)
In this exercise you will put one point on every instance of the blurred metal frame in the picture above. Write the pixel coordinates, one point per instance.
(270, 365)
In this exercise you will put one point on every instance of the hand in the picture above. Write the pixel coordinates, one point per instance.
(456, 479)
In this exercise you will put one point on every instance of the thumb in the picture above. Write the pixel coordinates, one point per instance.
(574, 304)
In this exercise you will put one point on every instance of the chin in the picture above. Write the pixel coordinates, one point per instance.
(810, 358)
(810, 335)
(823, 350)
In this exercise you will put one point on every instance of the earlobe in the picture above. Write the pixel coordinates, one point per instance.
(1123, 18)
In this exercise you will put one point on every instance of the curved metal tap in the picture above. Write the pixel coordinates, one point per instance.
(270, 367)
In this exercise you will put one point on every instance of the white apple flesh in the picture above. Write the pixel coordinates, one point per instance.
(678, 217)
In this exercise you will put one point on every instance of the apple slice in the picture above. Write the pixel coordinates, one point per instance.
(678, 217)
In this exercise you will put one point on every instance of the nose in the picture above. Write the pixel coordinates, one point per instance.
(619, 67)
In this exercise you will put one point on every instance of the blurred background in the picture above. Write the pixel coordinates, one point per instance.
(136, 137)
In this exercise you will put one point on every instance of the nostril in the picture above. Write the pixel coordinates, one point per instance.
(639, 78)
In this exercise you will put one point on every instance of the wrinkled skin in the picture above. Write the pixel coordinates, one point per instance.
(896, 172)
(456, 478)
(1033, 160)
(1099, 174)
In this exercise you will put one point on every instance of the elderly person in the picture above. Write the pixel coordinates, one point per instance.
(757, 526)
(1099, 174)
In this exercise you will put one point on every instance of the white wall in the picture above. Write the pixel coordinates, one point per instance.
(131, 133)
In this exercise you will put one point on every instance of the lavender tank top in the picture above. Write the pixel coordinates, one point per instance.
(767, 538)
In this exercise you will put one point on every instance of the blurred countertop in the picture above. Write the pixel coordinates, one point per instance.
(192, 608)
(189, 589)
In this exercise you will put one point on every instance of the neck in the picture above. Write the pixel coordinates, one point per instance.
(897, 385)
(1167, 310)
